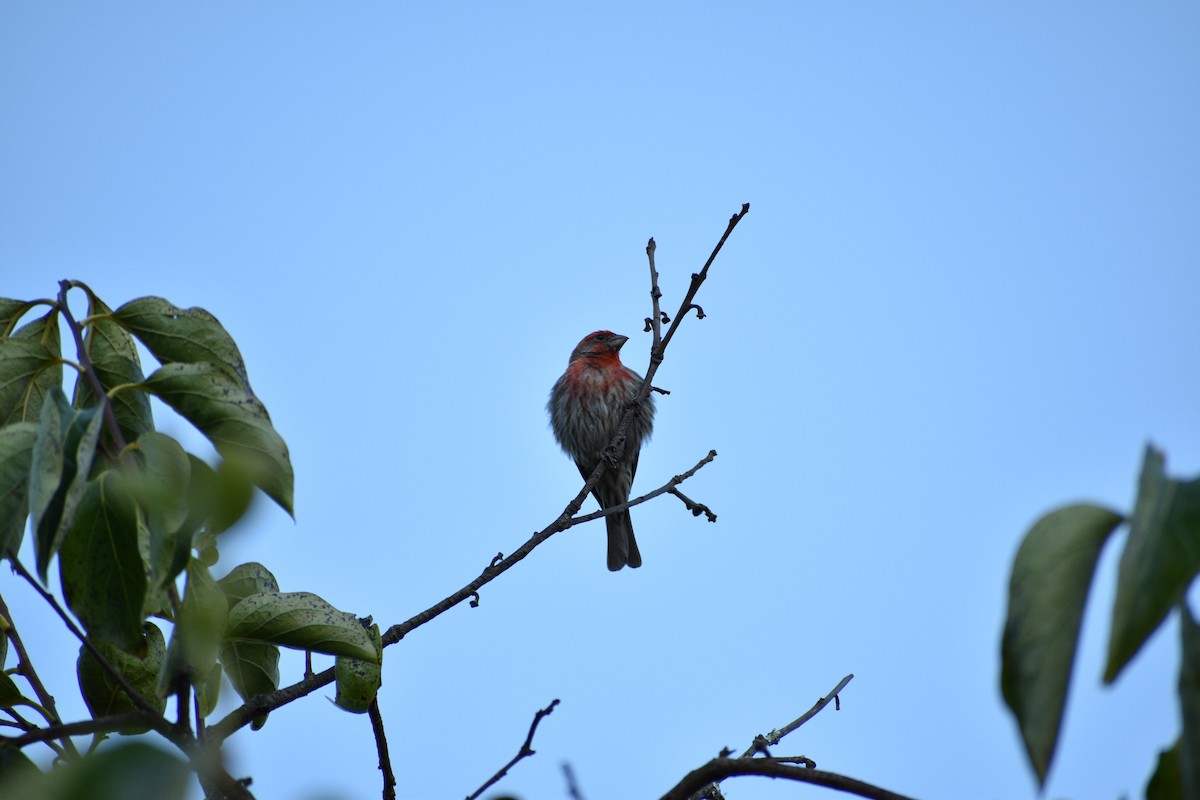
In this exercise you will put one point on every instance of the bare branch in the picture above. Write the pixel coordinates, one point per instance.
(721, 768)
(696, 508)
(657, 317)
(264, 703)
(699, 277)
(666, 488)
(385, 761)
(761, 742)
(525, 751)
(774, 736)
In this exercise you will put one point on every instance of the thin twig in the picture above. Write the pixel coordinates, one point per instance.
(385, 761)
(698, 278)
(656, 315)
(85, 361)
(572, 786)
(525, 751)
(762, 742)
(774, 736)
(719, 769)
(666, 488)
(696, 508)
(25, 667)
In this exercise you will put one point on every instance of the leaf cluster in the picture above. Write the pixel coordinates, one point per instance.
(134, 522)
(1051, 576)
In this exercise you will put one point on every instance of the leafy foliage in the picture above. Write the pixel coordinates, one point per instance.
(135, 521)
(1051, 577)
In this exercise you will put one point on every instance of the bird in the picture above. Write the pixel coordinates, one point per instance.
(586, 406)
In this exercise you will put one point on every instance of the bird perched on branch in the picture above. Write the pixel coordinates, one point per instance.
(586, 406)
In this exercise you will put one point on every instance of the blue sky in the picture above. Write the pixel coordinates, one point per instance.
(965, 294)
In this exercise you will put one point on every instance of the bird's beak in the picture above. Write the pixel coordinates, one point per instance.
(619, 341)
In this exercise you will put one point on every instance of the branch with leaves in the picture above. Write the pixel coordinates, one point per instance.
(569, 518)
(134, 521)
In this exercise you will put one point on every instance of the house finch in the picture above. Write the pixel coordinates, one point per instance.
(586, 406)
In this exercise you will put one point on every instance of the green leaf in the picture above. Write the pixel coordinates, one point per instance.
(302, 621)
(233, 420)
(245, 580)
(198, 633)
(16, 455)
(114, 358)
(30, 366)
(129, 771)
(62, 460)
(208, 691)
(160, 486)
(177, 335)
(103, 578)
(1165, 783)
(253, 668)
(46, 475)
(102, 693)
(15, 766)
(1189, 702)
(1051, 576)
(1161, 556)
(10, 693)
(10, 312)
(358, 681)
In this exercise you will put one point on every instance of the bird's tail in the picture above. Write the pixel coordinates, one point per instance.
(622, 547)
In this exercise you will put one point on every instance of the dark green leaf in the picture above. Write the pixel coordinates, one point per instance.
(253, 668)
(198, 632)
(179, 335)
(115, 359)
(30, 366)
(102, 693)
(302, 621)
(1165, 783)
(1051, 576)
(16, 455)
(358, 681)
(15, 766)
(62, 460)
(11, 312)
(1189, 702)
(234, 421)
(103, 578)
(46, 475)
(1161, 556)
(129, 771)
(10, 693)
